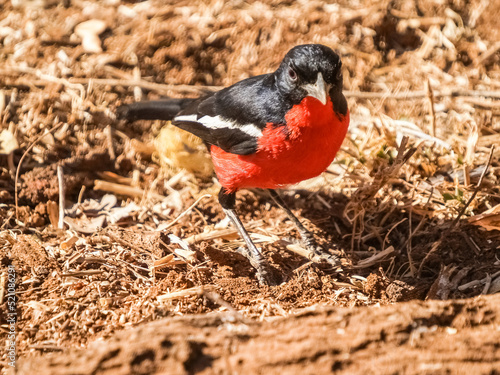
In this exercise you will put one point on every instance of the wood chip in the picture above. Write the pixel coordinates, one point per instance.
(68, 244)
(195, 291)
(125, 190)
(376, 258)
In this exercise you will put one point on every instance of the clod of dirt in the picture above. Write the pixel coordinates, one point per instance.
(399, 291)
(375, 285)
(41, 184)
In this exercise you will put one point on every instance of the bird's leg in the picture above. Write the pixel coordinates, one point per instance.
(264, 274)
(307, 236)
(316, 253)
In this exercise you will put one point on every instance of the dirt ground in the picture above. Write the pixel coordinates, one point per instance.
(144, 276)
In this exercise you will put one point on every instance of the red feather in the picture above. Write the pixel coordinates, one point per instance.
(286, 155)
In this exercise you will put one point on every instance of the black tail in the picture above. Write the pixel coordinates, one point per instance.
(153, 110)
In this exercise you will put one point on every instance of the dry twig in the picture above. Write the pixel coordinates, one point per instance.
(431, 107)
(62, 199)
(476, 190)
(125, 190)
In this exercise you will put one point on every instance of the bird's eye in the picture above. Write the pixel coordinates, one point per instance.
(292, 74)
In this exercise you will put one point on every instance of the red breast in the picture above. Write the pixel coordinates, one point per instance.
(286, 155)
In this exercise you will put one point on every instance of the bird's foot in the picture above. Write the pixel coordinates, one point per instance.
(264, 274)
(314, 252)
(317, 253)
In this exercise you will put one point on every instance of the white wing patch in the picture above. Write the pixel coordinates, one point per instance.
(218, 122)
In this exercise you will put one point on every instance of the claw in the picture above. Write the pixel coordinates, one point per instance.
(266, 277)
(318, 254)
(264, 273)
(309, 249)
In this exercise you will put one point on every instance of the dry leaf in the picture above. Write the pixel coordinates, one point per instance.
(495, 286)
(179, 149)
(116, 214)
(87, 226)
(489, 220)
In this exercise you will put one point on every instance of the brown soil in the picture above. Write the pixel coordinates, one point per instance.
(409, 228)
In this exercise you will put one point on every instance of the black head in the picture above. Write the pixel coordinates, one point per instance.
(309, 70)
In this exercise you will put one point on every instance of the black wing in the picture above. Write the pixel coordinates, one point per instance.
(233, 118)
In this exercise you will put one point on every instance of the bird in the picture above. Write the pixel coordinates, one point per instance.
(267, 131)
